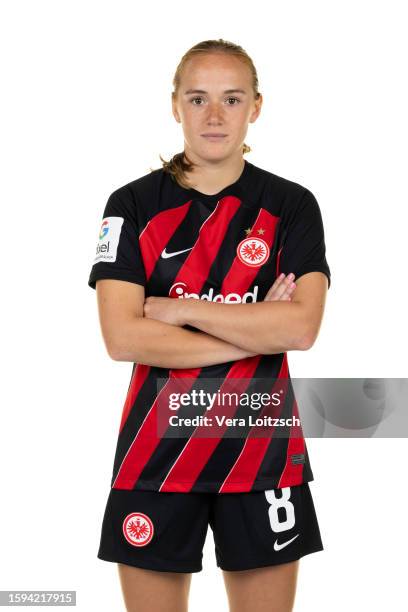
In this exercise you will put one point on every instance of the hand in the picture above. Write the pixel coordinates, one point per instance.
(282, 289)
(166, 309)
(170, 310)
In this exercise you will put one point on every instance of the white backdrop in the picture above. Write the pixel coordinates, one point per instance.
(86, 109)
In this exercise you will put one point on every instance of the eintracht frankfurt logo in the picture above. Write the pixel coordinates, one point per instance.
(253, 251)
(138, 529)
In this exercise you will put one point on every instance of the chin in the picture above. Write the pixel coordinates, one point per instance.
(218, 154)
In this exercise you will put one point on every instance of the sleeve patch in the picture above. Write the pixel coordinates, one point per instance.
(108, 239)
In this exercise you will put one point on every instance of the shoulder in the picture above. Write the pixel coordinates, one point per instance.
(288, 196)
(279, 185)
(139, 197)
(140, 187)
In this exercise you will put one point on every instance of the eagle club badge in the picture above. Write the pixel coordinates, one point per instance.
(138, 529)
(253, 252)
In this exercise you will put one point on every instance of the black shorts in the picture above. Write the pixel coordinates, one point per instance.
(166, 531)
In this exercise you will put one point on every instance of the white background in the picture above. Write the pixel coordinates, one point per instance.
(86, 109)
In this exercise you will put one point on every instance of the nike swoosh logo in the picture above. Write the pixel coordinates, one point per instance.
(277, 546)
(166, 255)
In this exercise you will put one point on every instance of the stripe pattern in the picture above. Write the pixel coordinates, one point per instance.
(220, 463)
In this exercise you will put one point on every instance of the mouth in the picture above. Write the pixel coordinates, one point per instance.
(214, 137)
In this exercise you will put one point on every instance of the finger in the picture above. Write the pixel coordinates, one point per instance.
(289, 292)
(283, 280)
(283, 287)
(285, 292)
(275, 296)
(289, 289)
(276, 284)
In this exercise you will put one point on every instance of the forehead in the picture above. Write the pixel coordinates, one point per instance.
(216, 70)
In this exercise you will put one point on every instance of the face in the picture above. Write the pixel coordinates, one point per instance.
(215, 97)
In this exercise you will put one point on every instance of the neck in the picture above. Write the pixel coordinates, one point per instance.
(210, 178)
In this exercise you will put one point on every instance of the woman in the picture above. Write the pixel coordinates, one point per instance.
(225, 238)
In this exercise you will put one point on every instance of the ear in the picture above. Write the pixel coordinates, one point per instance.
(258, 105)
(310, 293)
(174, 109)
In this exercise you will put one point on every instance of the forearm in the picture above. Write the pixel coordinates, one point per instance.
(262, 327)
(160, 344)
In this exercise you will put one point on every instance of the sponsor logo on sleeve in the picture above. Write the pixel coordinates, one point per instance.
(109, 234)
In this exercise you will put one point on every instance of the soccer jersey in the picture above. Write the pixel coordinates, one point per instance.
(228, 247)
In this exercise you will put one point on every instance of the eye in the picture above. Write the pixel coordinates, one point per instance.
(237, 100)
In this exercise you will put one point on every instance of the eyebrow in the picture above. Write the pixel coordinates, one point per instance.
(202, 91)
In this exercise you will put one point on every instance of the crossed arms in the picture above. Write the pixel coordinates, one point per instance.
(150, 331)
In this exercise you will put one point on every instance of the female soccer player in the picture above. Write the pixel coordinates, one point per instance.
(194, 277)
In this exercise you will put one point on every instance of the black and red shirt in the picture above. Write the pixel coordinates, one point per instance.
(227, 247)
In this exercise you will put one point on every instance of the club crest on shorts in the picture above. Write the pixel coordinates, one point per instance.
(138, 529)
(253, 252)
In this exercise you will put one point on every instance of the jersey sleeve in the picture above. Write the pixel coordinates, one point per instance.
(303, 249)
(118, 254)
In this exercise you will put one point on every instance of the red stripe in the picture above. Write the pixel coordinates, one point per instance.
(245, 469)
(239, 274)
(278, 262)
(140, 374)
(197, 450)
(157, 234)
(146, 439)
(196, 267)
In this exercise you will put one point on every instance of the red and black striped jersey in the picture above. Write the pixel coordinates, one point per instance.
(228, 247)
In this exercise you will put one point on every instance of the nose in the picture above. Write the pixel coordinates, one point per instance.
(215, 114)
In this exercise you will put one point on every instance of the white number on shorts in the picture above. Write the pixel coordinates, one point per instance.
(280, 502)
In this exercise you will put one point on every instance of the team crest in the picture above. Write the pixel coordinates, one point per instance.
(138, 529)
(253, 251)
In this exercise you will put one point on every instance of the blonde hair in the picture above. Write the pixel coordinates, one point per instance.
(180, 163)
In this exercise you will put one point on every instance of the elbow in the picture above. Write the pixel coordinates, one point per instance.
(306, 341)
(123, 352)
(122, 342)
(119, 349)
(114, 352)
(113, 344)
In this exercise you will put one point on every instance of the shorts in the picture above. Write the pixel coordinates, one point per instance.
(166, 531)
